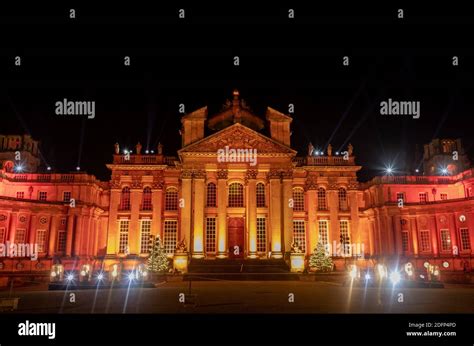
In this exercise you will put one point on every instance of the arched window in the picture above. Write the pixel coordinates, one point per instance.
(298, 199)
(342, 199)
(211, 197)
(146, 199)
(125, 199)
(171, 199)
(322, 204)
(236, 195)
(260, 195)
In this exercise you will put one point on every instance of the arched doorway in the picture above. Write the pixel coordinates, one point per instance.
(235, 236)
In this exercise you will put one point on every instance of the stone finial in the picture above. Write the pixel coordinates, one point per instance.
(350, 149)
(138, 148)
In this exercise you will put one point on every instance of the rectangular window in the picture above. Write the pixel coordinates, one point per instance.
(400, 197)
(260, 195)
(211, 197)
(170, 236)
(2, 234)
(425, 244)
(20, 195)
(444, 196)
(66, 196)
(171, 199)
(20, 236)
(344, 237)
(41, 240)
(123, 236)
(42, 195)
(299, 234)
(62, 241)
(261, 234)
(423, 197)
(145, 236)
(211, 234)
(445, 240)
(323, 232)
(465, 241)
(322, 203)
(405, 242)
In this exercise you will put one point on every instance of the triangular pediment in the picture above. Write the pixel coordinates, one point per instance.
(237, 136)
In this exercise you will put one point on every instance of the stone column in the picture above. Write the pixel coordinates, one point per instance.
(451, 222)
(414, 235)
(356, 233)
(390, 238)
(95, 236)
(252, 212)
(434, 229)
(311, 205)
(112, 234)
(53, 235)
(198, 217)
(134, 227)
(185, 217)
(398, 235)
(78, 235)
(13, 221)
(275, 213)
(157, 200)
(333, 224)
(372, 240)
(222, 214)
(287, 211)
(69, 235)
(102, 236)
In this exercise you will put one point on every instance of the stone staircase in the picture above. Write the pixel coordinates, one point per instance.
(239, 269)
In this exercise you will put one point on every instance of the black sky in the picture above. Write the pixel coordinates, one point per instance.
(282, 62)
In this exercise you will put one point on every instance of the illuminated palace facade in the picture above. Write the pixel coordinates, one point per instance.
(235, 193)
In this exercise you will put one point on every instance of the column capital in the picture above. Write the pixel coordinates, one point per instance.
(186, 174)
(310, 183)
(199, 174)
(222, 174)
(287, 174)
(274, 174)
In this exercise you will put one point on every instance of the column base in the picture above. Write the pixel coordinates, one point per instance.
(198, 255)
(276, 255)
(253, 255)
(222, 255)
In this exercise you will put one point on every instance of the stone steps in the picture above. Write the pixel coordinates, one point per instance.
(239, 269)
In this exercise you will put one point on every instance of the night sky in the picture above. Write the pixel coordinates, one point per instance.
(282, 61)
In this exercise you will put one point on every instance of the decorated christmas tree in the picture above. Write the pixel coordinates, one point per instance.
(158, 261)
(319, 261)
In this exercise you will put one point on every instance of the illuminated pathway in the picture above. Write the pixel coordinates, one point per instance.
(259, 297)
